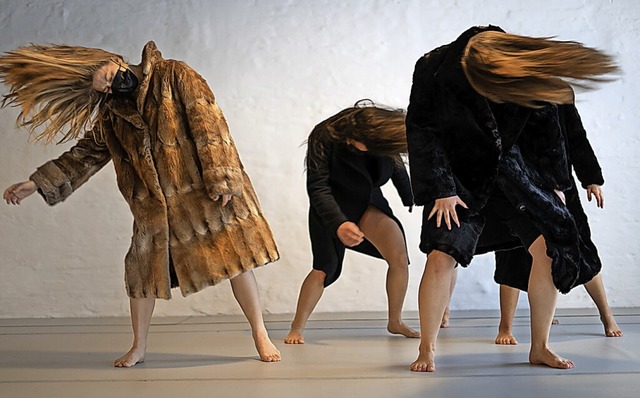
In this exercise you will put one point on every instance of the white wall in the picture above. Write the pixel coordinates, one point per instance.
(278, 67)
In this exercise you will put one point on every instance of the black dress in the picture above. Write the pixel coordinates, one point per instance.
(341, 185)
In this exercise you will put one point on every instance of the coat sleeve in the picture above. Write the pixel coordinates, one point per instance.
(400, 179)
(581, 154)
(429, 166)
(59, 178)
(221, 166)
(320, 194)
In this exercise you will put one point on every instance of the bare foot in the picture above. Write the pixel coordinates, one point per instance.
(131, 358)
(505, 337)
(425, 362)
(401, 328)
(547, 357)
(266, 349)
(445, 318)
(611, 328)
(294, 337)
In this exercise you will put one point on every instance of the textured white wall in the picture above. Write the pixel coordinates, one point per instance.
(278, 67)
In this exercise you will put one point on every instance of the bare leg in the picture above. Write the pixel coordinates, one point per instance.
(595, 288)
(245, 290)
(384, 233)
(310, 293)
(508, 304)
(141, 312)
(542, 302)
(447, 313)
(433, 297)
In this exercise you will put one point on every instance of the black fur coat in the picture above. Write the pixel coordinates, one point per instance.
(460, 143)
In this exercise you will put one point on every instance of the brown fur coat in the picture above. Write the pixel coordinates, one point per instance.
(172, 154)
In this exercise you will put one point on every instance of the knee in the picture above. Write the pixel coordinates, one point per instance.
(317, 276)
(440, 262)
(398, 260)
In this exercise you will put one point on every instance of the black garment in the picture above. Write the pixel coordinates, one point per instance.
(459, 143)
(341, 185)
(514, 266)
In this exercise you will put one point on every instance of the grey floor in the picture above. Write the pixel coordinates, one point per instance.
(346, 355)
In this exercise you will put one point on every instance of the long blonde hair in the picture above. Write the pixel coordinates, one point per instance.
(52, 86)
(532, 70)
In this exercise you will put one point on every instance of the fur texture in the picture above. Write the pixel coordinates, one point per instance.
(173, 156)
(459, 143)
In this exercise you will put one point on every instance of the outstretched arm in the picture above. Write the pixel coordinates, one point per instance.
(57, 179)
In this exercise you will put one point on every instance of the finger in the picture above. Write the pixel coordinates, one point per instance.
(433, 211)
(454, 215)
(461, 203)
(447, 220)
(225, 199)
(215, 198)
(438, 219)
(589, 193)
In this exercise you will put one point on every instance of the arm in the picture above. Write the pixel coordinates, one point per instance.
(57, 179)
(581, 154)
(431, 174)
(400, 179)
(318, 188)
(221, 166)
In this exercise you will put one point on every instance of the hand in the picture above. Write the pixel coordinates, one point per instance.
(16, 192)
(594, 190)
(560, 195)
(349, 234)
(446, 208)
(225, 198)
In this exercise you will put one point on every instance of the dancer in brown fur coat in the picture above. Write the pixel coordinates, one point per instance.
(197, 219)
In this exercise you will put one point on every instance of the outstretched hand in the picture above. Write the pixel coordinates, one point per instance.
(349, 234)
(445, 208)
(595, 191)
(17, 192)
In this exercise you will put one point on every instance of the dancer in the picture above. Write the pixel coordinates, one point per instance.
(197, 219)
(484, 144)
(513, 266)
(349, 157)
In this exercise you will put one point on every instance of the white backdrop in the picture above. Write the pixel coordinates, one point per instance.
(278, 67)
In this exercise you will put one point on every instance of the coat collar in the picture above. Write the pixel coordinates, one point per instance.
(150, 56)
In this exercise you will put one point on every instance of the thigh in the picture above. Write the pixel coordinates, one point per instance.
(383, 232)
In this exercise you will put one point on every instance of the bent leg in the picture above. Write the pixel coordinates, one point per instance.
(141, 312)
(542, 303)
(310, 293)
(385, 234)
(595, 288)
(433, 297)
(245, 290)
(508, 303)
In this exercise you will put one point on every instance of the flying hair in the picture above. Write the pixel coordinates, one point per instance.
(532, 71)
(51, 84)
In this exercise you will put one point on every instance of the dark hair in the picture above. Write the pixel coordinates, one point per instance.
(379, 127)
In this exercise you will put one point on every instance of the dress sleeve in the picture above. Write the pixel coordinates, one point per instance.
(59, 178)
(429, 166)
(400, 179)
(221, 165)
